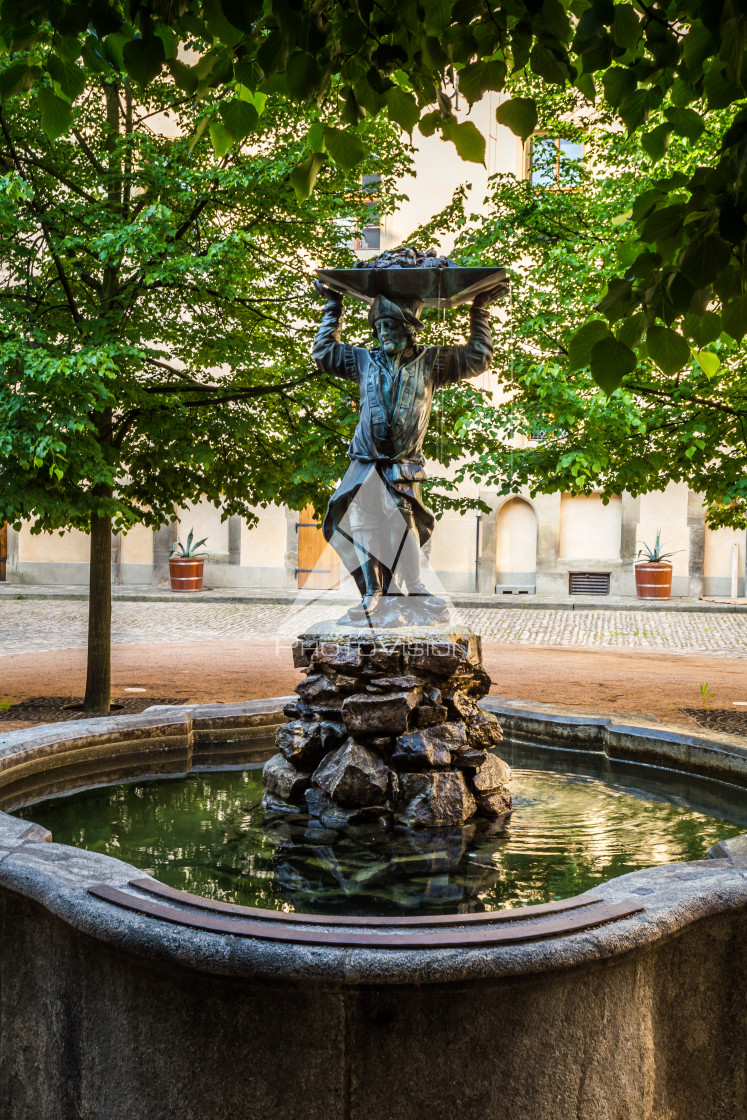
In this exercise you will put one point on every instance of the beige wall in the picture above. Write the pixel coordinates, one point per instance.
(516, 541)
(71, 547)
(137, 546)
(589, 529)
(265, 545)
(440, 172)
(206, 521)
(453, 544)
(717, 559)
(667, 510)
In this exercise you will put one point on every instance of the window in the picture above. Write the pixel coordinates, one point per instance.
(553, 162)
(370, 236)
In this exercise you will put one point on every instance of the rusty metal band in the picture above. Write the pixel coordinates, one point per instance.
(199, 902)
(497, 934)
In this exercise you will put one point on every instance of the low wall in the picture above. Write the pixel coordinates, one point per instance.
(109, 1013)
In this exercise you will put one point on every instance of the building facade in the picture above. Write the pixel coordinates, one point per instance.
(548, 545)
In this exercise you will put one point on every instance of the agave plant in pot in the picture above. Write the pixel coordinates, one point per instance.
(186, 564)
(653, 576)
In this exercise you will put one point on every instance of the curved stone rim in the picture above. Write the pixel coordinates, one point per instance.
(661, 900)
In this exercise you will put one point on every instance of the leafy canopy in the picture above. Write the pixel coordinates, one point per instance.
(624, 402)
(156, 314)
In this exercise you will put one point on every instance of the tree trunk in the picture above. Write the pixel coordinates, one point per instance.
(98, 678)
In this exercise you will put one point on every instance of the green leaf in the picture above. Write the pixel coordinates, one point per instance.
(305, 175)
(631, 330)
(184, 76)
(686, 122)
(619, 82)
(610, 361)
(579, 350)
(70, 77)
(664, 223)
(302, 75)
(241, 13)
(734, 317)
(143, 59)
(345, 148)
(220, 138)
(430, 122)
(17, 78)
(708, 362)
(549, 62)
(467, 139)
(667, 348)
(634, 109)
(316, 137)
(618, 294)
(626, 27)
(56, 114)
(703, 328)
(656, 142)
(402, 108)
(519, 114)
(239, 117)
(705, 259)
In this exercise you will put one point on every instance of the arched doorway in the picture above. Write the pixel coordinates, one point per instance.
(515, 546)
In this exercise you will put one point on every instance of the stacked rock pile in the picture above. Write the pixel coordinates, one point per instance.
(407, 256)
(388, 726)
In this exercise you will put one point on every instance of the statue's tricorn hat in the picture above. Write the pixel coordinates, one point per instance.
(384, 308)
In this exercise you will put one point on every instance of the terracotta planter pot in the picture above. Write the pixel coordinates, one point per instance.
(186, 575)
(653, 580)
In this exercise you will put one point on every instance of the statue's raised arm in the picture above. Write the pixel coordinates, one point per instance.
(376, 519)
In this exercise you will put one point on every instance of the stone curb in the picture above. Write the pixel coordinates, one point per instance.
(17, 591)
(58, 877)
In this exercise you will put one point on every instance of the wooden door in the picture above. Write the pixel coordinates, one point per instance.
(318, 563)
(3, 551)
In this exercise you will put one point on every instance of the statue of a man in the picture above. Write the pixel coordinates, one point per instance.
(376, 519)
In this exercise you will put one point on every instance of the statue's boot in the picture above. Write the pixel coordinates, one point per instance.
(426, 607)
(371, 572)
(408, 566)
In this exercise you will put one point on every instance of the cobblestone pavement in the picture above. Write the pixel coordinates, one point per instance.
(42, 625)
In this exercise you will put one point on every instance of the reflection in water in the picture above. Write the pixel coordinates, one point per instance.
(569, 831)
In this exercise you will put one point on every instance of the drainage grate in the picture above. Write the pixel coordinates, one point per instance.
(588, 583)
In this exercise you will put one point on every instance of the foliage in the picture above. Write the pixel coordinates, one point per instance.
(187, 551)
(671, 413)
(654, 553)
(405, 59)
(155, 308)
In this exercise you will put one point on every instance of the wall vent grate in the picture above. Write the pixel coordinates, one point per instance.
(588, 583)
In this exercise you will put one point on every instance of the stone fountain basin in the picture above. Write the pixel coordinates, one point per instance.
(107, 1012)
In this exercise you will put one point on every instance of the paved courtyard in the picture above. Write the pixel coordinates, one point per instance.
(33, 625)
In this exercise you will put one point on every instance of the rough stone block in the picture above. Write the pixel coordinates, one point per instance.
(427, 715)
(353, 775)
(493, 776)
(282, 780)
(379, 714)
(300, 742)
(338, 657)
(393, 684)
(436, 797)
(317, 689)
(385, 661)
(439, 659)
(333, 816)
(433, 746)
(332, 734)
(494, 805)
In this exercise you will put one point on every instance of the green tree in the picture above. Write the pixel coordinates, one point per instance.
(406, 58)
(582, 412)
(156, 314)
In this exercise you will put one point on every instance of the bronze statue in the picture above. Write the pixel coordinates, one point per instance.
(376, 519)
